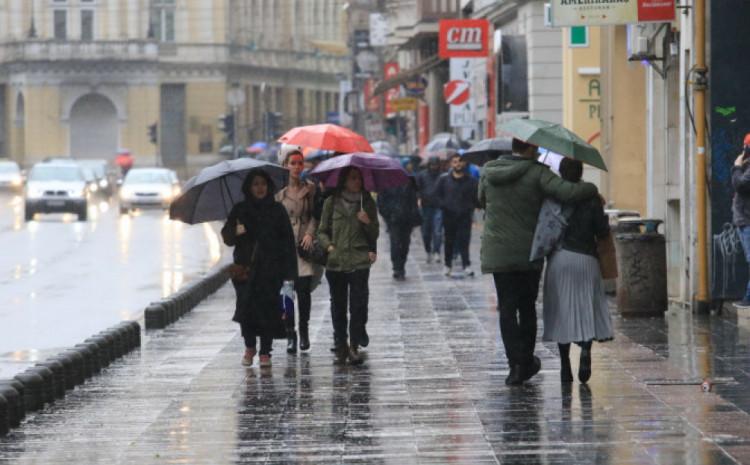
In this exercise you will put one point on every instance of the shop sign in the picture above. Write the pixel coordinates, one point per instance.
(463, 38)
(456, 92)
(390, 70)
(415, 87)
(604, 12)
(404, 104)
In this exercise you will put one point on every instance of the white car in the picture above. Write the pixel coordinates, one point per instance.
(10, 176)
(148, 187)
(54, 187)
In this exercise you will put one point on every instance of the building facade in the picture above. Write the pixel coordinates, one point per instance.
(87, 77)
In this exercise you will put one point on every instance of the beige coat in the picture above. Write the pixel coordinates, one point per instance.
(300, 207)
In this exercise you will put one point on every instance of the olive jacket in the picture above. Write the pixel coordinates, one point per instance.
(352, 240)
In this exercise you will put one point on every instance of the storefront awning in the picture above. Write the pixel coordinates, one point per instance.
(405, 75)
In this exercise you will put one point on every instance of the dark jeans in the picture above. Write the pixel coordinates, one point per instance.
(302, 287)
(745, 238)
(251, 340)
(457, 228)
(349, 288)
(400, 236)
(516, 301)
(432, 229)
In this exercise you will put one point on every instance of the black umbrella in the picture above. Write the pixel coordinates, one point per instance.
(211, 194)
(443, 141)
(488, 149)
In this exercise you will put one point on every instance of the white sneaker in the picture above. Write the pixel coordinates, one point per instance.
(437, 257)
(468, 272)
(447, 271)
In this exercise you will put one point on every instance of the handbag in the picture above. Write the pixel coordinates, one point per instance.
(550, 228)
(605, 248)
(317, 255)
(242, 273)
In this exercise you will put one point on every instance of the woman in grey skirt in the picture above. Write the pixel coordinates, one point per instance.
(575, 306)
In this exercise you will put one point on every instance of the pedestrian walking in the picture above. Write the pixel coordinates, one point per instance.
(349, 230)
(456, 192)
(265, 259)
(741, 207)
(511, 191)
(575, 305)
(432, 215)
(398, 207)
(299, 199)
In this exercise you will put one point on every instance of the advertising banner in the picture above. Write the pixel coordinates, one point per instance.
(603, 12)
(462, 90)
(462, 38)
(390, 69)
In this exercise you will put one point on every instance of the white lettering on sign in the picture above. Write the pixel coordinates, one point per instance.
(464, 38)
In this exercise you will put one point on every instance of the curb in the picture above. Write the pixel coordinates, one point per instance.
(162, 313)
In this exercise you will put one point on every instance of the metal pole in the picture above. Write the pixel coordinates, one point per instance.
(234, 131)
(699, 89)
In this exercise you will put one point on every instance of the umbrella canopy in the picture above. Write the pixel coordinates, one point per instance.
(445, 140)
(555, 138)
(327, 137)
(384, 147)
(379, 172)
(211, 194)
(442, 154)
(488, 149)
(257, 147)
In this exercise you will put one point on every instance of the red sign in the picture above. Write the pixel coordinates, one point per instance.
(464, 38)
(424, 125)
(656, 10)
(372, 104)
(456, 92)
(390, 70)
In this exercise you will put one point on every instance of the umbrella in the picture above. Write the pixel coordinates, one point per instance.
(445, 140)
(379, 172)
(442, 154)
(555, 138)
(488, 149)
(327, 137)
(552, 160)
(257, 147)
(384, 147)
(211, 194)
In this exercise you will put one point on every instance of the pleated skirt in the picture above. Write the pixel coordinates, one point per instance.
(575, 305)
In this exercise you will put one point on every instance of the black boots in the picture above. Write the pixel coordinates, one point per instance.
(584, 368)
(291, 341)
(520, 373)
(304, 337)
(566, 374)
(514, 377)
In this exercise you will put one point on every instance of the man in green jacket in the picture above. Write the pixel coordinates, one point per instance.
(511, 190)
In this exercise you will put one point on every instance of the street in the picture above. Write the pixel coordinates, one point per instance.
(62, 280)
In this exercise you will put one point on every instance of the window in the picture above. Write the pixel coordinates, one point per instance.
(87, 25)
(61, 26)
(162, 20)
(512, 82)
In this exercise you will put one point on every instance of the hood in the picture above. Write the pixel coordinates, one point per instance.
(56, 185)
(507, 169)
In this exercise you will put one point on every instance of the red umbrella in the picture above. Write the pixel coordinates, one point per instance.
(327, 137)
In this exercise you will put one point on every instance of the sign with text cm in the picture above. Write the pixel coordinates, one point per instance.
(463, 38)
(604, 12)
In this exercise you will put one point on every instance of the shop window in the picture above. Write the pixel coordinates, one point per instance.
(512, 76)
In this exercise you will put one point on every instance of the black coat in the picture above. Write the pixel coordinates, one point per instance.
(398, 205)
(741, 200)
(426, 184)
(457, 195)
(268, 233)
(586, 225)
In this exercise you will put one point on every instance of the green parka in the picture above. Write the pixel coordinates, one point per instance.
(352, 240)
(511, 191)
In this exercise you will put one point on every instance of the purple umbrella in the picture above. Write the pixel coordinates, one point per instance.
(379, 172)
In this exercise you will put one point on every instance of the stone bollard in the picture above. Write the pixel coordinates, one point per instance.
(4, 420)
(70, 369)
(90, 354)
(15, 412)
(48, 382)
(58, 375)
(79, 364)
(642, 269)
(33, 384)
(156, 316)
(18, 386)
(133, 333)
(101, 349)
(118, 344)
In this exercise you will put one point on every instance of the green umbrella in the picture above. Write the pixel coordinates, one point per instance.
(555, 138)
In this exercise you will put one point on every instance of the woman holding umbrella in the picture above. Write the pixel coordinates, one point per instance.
(349, 230)
(264, 251)
(299, 198)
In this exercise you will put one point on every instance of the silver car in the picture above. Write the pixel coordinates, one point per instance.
(55, 187)
(11, 177)
(148, 187)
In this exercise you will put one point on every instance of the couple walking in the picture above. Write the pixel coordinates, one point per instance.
(512, 190)
(268, 232)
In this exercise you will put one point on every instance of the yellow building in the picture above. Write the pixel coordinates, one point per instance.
(87, 77)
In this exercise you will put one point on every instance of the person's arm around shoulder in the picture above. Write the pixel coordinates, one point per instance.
(325, 228)
(562, 190)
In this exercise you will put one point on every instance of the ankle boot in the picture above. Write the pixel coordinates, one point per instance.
(566, 373)
(304, 338)
(291, 342)
(584, 367)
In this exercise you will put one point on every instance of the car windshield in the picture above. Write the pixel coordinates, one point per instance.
(8, 168)
(55, 173)
(148, 177)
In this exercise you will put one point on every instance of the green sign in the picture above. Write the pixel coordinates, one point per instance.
(579, 36)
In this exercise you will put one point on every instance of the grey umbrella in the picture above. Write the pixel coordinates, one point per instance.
(488, 149)
(211, 194)
(443, 141)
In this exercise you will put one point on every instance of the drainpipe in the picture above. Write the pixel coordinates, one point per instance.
(700, 85)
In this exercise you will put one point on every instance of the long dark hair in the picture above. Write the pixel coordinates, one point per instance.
(252, 174)
(341, 184)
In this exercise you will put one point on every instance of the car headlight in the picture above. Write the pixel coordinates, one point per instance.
(166, 193)
(125, 193)
(94, 187)
(103, 183)
(34, 193)
(16, 181)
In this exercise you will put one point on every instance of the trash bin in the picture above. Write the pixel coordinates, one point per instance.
(642, 267)
(615, 226)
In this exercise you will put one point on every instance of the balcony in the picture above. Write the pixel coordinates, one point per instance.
(57, 50)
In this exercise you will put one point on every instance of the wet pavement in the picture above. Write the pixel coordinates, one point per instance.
(431, 391)
(62, 280)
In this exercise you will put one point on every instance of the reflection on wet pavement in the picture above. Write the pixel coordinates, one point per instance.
(431, 391)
